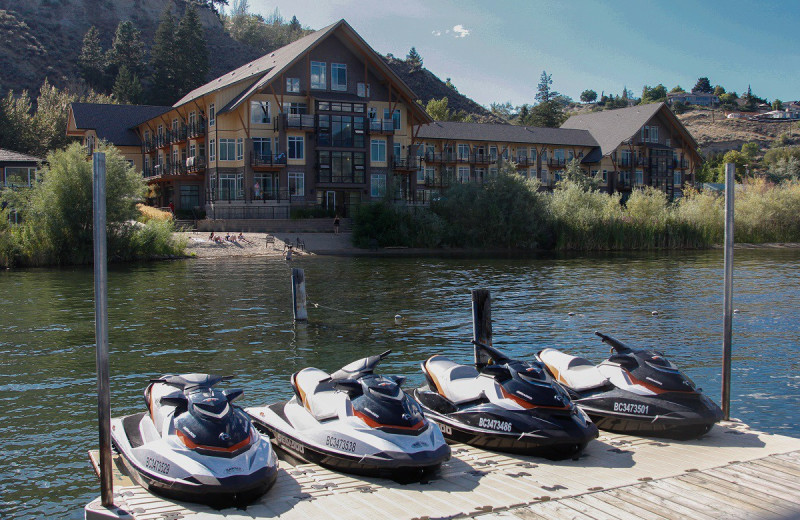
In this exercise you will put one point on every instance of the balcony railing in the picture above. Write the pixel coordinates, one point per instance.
(557, 162)
(267, 160)
(300, 121)
(441, 158)
(405, 163)
(179, 135)
(381, 126)
(196, 164)
(162, 140)
(197, 129)
(436, 181)
(326, 175)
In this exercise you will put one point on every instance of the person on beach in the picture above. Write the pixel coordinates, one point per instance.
(241, 238)
(336, 224)
(211, 237)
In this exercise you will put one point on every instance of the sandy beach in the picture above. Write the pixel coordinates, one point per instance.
(266, 244)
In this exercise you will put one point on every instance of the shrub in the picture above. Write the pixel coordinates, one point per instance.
(148, 213)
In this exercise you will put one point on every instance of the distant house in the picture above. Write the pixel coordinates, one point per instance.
(693, 98)
(17, 170)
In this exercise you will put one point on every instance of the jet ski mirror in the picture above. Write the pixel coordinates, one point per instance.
(399, 380)
(614, 343)
(232, 395)
(173, 401)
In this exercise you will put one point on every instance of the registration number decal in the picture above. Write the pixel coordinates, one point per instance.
(494, 424)
(157, 465)
(639, 409)
(340, 444)
(289, 444)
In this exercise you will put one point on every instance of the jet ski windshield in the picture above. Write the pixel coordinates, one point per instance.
(189, 381)
(359, 368)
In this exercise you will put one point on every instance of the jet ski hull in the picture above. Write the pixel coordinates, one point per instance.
(360, 451)
(553, 436)
(671, 416)
(161, 468)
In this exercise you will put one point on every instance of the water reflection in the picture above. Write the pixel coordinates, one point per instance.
(234, 317)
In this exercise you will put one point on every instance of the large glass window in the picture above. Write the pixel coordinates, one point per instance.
(676, 178)
(293, 85)
(338, 76)
(239, 149)
(378, 150)
(318, 79)
(396, 151)
(297, 184)
(463, 151)
(296, 148)
(212, 116)
(259, 112)
(362, 90)
(377, 184)
(558, 155)
(296, 108)
(212, 150)
(17, 177)
(463, 174)
(227, 149)
(231, 186)
(394, 116)
(342, 166)
(189, 196)
(262, 148)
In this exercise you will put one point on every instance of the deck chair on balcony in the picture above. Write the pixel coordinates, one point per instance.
(269, 240)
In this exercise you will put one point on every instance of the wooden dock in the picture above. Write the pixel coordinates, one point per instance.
(733, 472)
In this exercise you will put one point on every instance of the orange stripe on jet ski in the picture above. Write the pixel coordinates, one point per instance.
(375, 424)
(193, 446)
(300, 391)
(654, 388)
(433, 377)
(527, 405)
(554, 373)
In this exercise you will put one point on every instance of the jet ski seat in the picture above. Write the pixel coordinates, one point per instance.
(320, 398)
(576, 372)
(459, 383)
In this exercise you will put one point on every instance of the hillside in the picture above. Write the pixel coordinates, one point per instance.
(715, 133)
(42, 38)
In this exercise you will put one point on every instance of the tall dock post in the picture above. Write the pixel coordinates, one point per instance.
(299, 295)
(101, 326)
(730, 174)
(481, 322)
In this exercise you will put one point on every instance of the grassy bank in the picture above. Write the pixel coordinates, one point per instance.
(55, 215)
(510, 212)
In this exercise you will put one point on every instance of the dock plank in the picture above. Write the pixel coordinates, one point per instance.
(731, 491)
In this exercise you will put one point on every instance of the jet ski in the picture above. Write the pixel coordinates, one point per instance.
(636, 392)
(503, 404)
(194, 444)
(354, 421)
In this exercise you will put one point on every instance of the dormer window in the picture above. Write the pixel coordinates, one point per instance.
(318, 78)
(338, 76)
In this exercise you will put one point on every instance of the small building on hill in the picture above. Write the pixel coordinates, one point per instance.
(701, 99)
(17, 170)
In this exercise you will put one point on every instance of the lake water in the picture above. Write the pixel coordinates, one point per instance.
(233, 317)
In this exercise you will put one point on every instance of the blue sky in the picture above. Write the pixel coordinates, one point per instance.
(495, 51)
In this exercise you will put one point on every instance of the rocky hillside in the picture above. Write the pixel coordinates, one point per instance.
(715, 133)
(42, 38)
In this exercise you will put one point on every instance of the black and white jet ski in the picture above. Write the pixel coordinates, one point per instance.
(194, 444)
(355, 421)
(636, 392)
(503, 404)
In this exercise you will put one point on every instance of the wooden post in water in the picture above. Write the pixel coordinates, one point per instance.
(727, 313)
(101, 326)
(299, 295)
(481, 321)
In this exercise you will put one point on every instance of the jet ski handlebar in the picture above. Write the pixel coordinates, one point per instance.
(359, 368)
(614, 343)
(497, 357)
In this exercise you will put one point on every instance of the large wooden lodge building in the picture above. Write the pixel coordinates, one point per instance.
(325, 122)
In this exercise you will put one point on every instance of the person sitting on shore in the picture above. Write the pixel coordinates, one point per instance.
(211, 237)
(228, 237)
(241, 238)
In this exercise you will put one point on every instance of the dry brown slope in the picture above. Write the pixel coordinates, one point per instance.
(715, 133)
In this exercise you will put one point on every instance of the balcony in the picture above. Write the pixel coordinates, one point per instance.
(406, 163)
(435, 181)
(197, 129)
(381, 126)
(557, 162)
(179, 135)
(299, 121)
(440, 158)
(196, 164)
(263, 162)
(162, 140)
(523, 161)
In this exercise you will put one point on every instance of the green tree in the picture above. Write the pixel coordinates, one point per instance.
(92, 60)
(126, 50)
(574, 174)
(737, 158)
(439, 111)
(449, 84)
(719, 90)
(544, 92)
(703, 86)
(588, 96)
(294, 25)
(414, 60)
(654, 94)
(549, 111)
(777, 104)
(504, 111)
(127, 88)
(192, 53)
(165, 88)
(750, 150)
(17, 127)
(676, 89)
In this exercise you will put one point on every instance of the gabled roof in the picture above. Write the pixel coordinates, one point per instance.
(259, 73)
(12, 156)
(505, 133)
(114, 123)
(612, 127)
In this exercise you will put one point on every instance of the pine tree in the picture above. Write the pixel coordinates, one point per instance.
(165, 88)
(294, 24)
(544, 93)
(414, 59)
(548, 112)
(92, 61)
(127, 88)
(191, 52)
(126, 50)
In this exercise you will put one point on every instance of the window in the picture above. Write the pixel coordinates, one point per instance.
(297, 184)
(295, 108)
(212, 116)
(231, 186)
(293, 85)
(421, 176)
(372, 113)
(668, 142)
(192, 119)
(362, 89)
(625, 159)
(262, 148)
(558, 155)
(17, 177)
(192, 150)
(533, 155)
(676, 178)
(239, 149)
(212, 152)
(296, 149)
(639, 178)
(259, 112)
(227, 150)
(338, 76)
(396, 151)
(544, 155)
(395, 117)
(493, 173)
(318, 79)
(189, 196)
(378, 150)
(522, 154)
(463, 174)
(175, 125)
(605, 175)
(463, 152)
(378, 184)
(493, 152)
(650, 134)
(545, 177)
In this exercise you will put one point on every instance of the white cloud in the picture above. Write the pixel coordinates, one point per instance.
(460, 31)
(436, 33)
